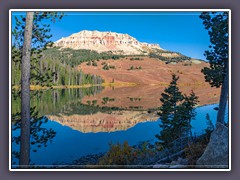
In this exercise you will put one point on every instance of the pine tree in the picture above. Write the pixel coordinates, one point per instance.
(176, 113)
(187, 112)
(218, 55)
(210, 126)
(25, 92)
(30, 38)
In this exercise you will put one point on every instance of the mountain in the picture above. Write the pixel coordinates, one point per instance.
(104, 122)
(107, 41)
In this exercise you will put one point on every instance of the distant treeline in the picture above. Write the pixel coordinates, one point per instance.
(59, 71)
(60, 65)
(53, 102)
(159, 54)
(73, 57)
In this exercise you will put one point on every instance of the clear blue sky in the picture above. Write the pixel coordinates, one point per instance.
(176, 31)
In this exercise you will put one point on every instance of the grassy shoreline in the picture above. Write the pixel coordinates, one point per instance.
(37, 87)
(107, 84)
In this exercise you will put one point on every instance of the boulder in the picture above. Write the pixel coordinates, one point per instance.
(182, 161)
(216, 154)
(179, 164)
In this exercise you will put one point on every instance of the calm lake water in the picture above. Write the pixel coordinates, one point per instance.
(81, 131)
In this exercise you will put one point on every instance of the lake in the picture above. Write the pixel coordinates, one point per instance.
(86, 120)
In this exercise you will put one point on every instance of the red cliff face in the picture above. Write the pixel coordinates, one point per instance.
(105, 41)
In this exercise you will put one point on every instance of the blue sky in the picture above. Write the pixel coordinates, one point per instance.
(176, 31)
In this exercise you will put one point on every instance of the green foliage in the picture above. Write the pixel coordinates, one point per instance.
(111, 67)
(40, 41)
(73, 57)
(105, 67)
(106, 100)
(54, 102)
(136, 58)
(89, 108)
(159, 54)
(94, 63)
(176, 113)
(134, 99)
(136, 107)
(124, 155)
(137, 68)
(217, 25)
(39, 136)
(119, 155)
(55, 73)
(115, 57)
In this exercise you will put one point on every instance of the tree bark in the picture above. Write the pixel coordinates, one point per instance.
(25, 93)
(223, 99)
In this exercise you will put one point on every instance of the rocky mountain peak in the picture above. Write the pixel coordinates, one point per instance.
(106, 41)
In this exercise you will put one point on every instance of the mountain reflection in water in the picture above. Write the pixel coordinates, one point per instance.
(104, 122)
(112, 109)
(87, 120)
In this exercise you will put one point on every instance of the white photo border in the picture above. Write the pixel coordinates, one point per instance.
(117, 10)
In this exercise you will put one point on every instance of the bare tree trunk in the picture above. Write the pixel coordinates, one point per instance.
(54, 98)
(54, 76)
(76, 78)
(80, 78)
(25, 92)
(223, 99)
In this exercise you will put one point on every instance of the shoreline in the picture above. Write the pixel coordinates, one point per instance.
(106, 84)
(35, 87)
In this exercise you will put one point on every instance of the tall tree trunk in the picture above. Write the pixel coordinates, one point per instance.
(69, 79)
(54, 76)
(223, 99)
(25, 92)
(76, 75)
(80, 78)
(54, 98)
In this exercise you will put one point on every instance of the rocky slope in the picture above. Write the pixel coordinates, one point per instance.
(106, 41)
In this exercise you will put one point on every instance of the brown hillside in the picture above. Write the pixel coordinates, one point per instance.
(153, 71)
(151, 81)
